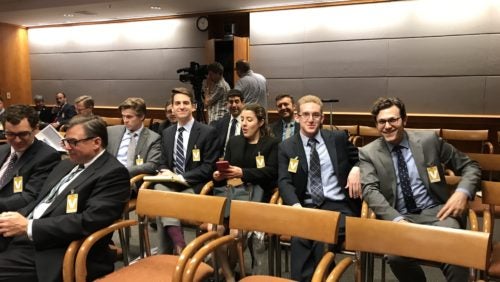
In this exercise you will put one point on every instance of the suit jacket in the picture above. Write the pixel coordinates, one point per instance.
(202, 136)
(222, 127)
(379, 178)
(237, 155)
(45, 115)
(277, 128)
(293, 186)
(34, 165)
(148, 147)
(103, 188)
(65, 114)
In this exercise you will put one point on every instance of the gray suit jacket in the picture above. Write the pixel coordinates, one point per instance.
(148, 147)
(378, 175)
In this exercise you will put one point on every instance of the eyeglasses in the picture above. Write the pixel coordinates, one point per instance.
(306, 116)
(22, 134)
(73, 142)
(391, 121)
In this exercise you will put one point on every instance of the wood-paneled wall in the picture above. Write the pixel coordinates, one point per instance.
(15, 73)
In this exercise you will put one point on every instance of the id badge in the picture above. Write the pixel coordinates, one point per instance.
(139, 160)
(261, 163)
(18, 184)
(196, 155)
(433, 173)
(72, 203)
(293, 165)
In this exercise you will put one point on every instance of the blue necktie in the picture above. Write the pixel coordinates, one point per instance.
(179, 152)
(404, 181)
(315, 174)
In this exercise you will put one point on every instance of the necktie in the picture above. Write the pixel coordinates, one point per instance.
(288, 130)
(315, 174)
(131, 150)
(179, 152)
(404, 180)
(232, 130)
(53, 193)
(9, 170)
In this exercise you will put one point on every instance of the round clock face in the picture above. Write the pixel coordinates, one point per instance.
(202, 23)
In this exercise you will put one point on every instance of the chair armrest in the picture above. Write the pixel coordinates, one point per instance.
(366, 212)
(137, 178)
(489, 147)
(69, 261)
(203, 252)
(207, 188)
(339, 270)
(322, 267)
(473, 220)
(357, 141)
(189, 251)
(275, 196)
(81, 257)
(487, 221)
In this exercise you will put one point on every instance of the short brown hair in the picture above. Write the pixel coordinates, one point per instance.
(184, 91)
(87, 101)
(383, 103)
(136, 104)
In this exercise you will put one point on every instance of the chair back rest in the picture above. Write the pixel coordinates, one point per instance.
(489, 163)
(182, 206)
(112, 121)
(352, 129)
(446, 245)
(367, 134)
(461, 138)
(313, 224)
(437, 131)
(490, 192)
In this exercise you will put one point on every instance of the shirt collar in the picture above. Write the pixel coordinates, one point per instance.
(404, 143)
(305, 139)
(87, 164)
(138, 131)
(187, 126)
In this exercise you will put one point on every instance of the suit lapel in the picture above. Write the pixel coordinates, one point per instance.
(418, 155)
(386, 160)
(331, 146)
(141, 142)
(116, 140)
(169, 150)
(60, 172)
(4, 153)
(193, 138)
(301, 154)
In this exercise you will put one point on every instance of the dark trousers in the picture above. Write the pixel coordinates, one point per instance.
(306, 254)
(17, 261)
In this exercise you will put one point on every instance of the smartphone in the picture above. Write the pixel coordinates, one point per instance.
(222, 165)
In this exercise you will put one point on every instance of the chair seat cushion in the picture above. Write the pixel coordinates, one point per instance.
(264, 278)
(156, 268)
(494, 269)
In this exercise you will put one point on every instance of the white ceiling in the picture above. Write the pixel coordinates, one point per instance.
(31, 13)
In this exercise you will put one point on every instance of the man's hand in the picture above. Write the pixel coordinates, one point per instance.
(354, 183)
(13, 224)
(233, 172)
(454, 207)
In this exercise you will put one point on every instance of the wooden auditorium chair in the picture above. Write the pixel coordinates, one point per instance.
(462, 139)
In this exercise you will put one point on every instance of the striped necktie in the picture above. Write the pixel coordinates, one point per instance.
(179, 152)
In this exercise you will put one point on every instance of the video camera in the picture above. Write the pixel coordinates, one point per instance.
(195, 74)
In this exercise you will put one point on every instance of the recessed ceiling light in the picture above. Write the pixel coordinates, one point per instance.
(69, 15)
(155, 8)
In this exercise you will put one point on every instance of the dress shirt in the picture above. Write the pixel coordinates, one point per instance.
(331, 187)
(122, 154)
(286, 125)
(420, 194)
(41, 207)
(216, 109)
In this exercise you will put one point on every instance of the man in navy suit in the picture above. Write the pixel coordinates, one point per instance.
(317, 169)
(63, 111)
(30, 160)
(188, 149)
(83, 194)
(286, 126)
(230, 124)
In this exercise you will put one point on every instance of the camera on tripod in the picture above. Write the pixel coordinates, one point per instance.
(193, 74)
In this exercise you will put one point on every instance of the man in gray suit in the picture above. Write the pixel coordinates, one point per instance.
(135, 146)
(403, 180)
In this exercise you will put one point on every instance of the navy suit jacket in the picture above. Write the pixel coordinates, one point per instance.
(277, 128)
(293, 186)
(34, 166)
(204, 138)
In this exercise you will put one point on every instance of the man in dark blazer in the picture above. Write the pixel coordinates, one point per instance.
(223, 125)
(63, 111)
(83, 194)
(403, 180)
(317, 169)
(45, 115)
(31, 160)
(188, 149)
(286, 126)
(146, 156)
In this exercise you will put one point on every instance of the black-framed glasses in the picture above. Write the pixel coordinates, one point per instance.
(391, 121)
(314, 116)
(21, 134)
(74, 142)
